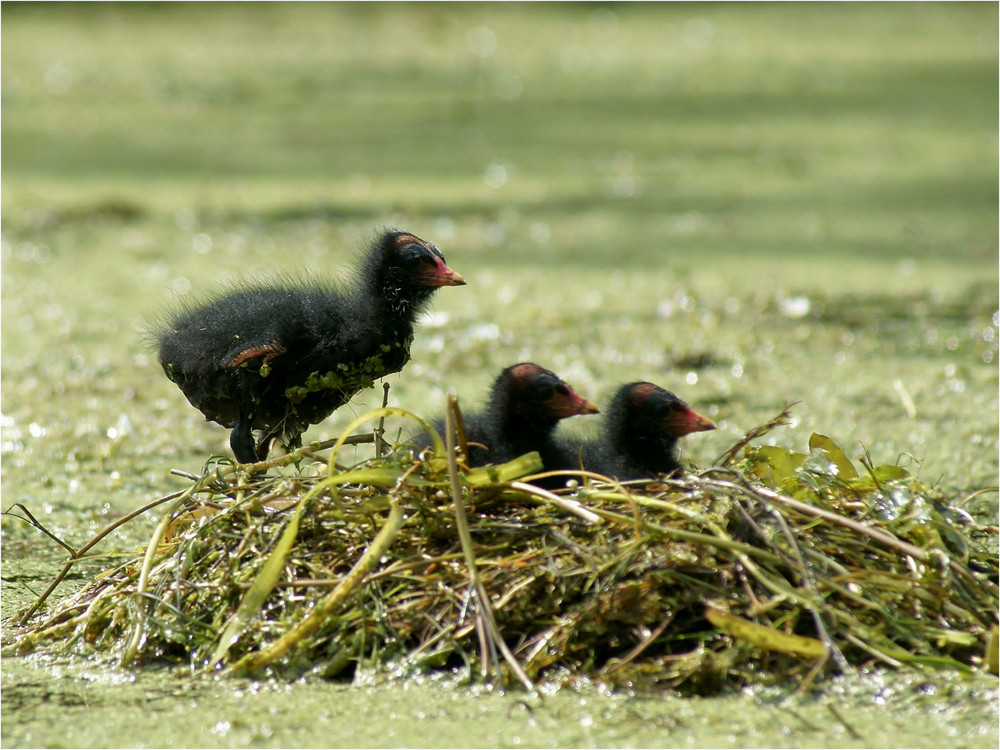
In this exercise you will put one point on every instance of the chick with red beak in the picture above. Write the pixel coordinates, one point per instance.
(278, 355)
(641, 430)
(525, 406)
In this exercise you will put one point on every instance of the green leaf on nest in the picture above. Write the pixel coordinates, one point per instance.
(830, 449)
(765, 637)
(879, 476)
(777, 467)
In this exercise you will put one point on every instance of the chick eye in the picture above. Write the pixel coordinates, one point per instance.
(671, 408)
(561, 388)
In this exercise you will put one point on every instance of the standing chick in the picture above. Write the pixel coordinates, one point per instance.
(279, 356)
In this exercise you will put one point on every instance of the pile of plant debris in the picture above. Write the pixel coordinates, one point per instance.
(771, 564)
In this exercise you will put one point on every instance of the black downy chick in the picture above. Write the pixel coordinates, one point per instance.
(525, 405)
(639, 438)
(279, 356)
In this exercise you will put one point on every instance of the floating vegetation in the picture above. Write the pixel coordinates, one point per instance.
(771, 565)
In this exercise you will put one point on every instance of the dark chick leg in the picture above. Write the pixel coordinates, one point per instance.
(241, 441)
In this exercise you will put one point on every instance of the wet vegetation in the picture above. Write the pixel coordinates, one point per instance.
(763, 570)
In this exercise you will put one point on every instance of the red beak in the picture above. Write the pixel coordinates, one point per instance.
(572, 405)
(443, 276)
(450, 278)
(688, 421)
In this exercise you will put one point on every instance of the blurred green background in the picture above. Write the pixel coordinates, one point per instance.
(635, 129)
(749, 204)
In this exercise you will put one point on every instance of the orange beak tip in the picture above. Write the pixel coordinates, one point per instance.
(691, 422)
(698, 423)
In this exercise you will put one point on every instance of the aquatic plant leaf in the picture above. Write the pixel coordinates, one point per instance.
(879, 476)
(829, 448)
(765, 637)
(261, 587)
(950, 636)
(529, 463)
(775, 465)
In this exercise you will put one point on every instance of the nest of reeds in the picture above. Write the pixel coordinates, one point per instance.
(771, 564)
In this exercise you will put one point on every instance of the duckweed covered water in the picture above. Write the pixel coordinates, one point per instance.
(749, 205)
(88, 705)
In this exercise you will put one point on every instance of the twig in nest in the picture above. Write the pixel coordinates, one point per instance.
(381, 447)
(729, 457)
(642, 645)
(568, 504)
(453, 416)
(76, 555)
